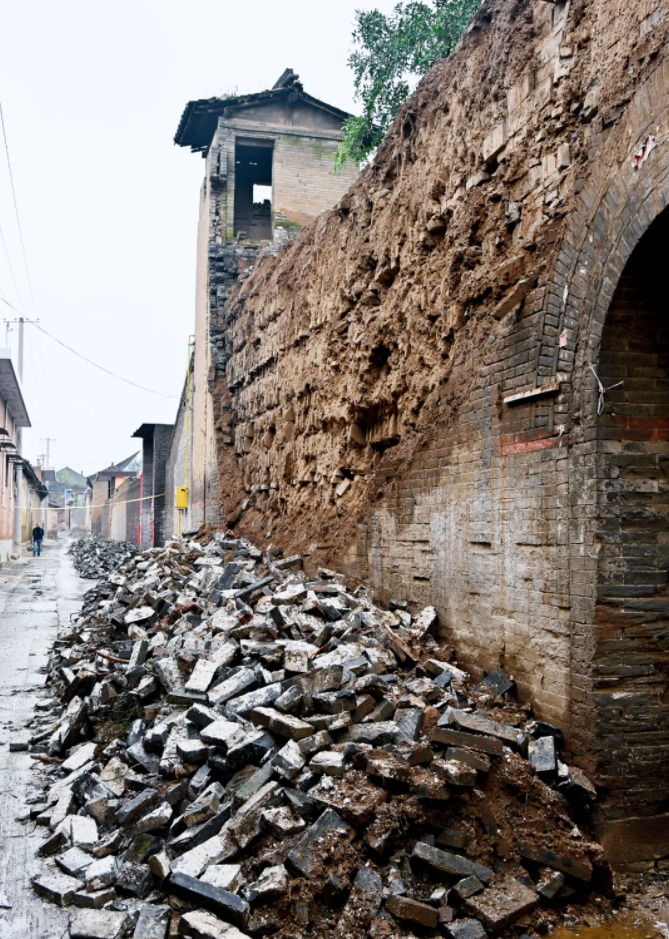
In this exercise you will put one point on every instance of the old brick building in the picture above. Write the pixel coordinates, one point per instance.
(420, 389)
(13, 416)
(269, 170)
(155, 451)
(103, 486)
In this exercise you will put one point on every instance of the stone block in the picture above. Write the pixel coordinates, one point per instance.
(303, 857)
(153, 922)
(413, 911)
(477, 723)
(329, 763)
(140, 805)
(465, 929)
(220, 902)
(579, 868)
(99, 924)
(272, 883)
(457, 738)
(57, 887)
(226, 876)
(284, 725)
(74, 862)
(502, 905)
(541, 754)
(203, 925)
(450, 863)
(216, 849)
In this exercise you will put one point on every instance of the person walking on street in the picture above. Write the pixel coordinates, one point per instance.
(38, 535)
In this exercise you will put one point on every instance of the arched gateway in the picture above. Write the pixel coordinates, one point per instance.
(616, 321)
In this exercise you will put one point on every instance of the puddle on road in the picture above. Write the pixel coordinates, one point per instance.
(627, 926)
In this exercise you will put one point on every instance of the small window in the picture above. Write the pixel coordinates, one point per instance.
(253, 190)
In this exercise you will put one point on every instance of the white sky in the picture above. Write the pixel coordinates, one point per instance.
(92, 93)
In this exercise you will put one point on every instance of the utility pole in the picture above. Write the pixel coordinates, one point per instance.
(21, 322)
(48, 441)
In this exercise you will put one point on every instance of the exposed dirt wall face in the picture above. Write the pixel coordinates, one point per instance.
(370, 367)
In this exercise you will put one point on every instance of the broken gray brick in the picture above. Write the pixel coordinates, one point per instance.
(227, 905)
(541, 754)
(328, 763)
(99, 924)
(413, 911)
(285, 725)
(56, 887)
(289, 760)
(450, 863)
(272, 883)
(303, 857)
(502, 905)
(153, 922)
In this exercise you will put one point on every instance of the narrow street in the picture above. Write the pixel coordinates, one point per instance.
(37, 596)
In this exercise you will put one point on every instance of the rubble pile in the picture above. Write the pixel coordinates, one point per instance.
(231, 748)
(94, 557)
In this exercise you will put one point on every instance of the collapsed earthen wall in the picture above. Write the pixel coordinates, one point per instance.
(370, 368)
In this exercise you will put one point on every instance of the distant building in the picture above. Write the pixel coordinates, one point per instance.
(69, 500)
(125, 508)
(155, 449)
(269, 171)
(103, 485)
(13, 417)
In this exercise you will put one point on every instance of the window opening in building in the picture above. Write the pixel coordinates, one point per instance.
(253, 190)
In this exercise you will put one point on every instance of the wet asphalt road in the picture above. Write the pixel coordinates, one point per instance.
(37, 596)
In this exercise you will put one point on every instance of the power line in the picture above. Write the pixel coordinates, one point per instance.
(90, 361)
(101, 367)
(16, 206)
(11, 271)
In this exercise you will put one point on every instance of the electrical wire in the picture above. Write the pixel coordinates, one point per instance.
(101, 367)
(90, 361)
(94, 505)
(16, 206)
(11, 271)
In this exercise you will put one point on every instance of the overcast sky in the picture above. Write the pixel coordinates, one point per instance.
(92, 94)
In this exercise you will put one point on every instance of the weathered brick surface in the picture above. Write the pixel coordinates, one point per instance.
(369, 366)
(180, 453)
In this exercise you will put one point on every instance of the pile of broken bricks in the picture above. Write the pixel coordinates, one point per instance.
(94, 557)
(228, 747)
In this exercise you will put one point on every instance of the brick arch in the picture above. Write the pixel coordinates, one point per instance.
(616, 207)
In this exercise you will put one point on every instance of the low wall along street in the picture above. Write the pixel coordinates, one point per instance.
(419, 390)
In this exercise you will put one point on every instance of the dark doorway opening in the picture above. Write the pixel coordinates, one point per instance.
(253, 189)
(631, 670)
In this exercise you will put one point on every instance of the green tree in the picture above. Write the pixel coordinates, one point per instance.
(389, 52)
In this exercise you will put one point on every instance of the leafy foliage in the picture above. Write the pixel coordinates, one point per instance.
(389, 51)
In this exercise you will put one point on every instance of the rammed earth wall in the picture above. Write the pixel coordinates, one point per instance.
(410, 391)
